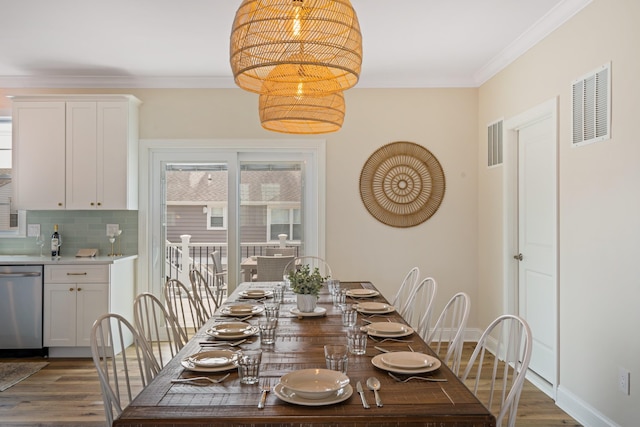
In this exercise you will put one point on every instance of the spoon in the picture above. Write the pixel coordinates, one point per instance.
(374, 384)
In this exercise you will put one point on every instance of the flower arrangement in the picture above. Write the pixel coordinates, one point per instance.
(305, 282)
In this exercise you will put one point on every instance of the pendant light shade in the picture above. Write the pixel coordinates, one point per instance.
(312, 43)
(302, 115)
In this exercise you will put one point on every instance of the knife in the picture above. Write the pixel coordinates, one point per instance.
(362, 397)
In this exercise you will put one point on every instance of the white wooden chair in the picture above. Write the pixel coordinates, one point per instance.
(313, 262)
(208, 295)
(125, 371)
(420, 307)
(183, 308)
(449, 330)
(401, 299)
(271, 268)
(154, 323)
(498, 381)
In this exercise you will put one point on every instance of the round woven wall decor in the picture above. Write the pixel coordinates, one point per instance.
(402, 184)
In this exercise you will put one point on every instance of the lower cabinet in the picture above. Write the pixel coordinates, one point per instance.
(74, 297)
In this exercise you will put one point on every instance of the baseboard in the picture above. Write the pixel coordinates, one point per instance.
(581, 411)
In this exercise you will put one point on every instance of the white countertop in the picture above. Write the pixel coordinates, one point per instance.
(67, 260)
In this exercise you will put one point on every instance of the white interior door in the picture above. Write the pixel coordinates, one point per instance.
(537, 240)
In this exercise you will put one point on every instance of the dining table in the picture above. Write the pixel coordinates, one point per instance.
(299, 346)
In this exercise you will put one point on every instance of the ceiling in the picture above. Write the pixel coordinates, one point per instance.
(185, 44)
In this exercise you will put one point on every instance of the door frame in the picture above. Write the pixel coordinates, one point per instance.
(547, 109)
(152, 151)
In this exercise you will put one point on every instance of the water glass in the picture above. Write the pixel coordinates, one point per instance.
(339, 298)
(268, 330)
(278, 293)
(337, 357)
(271, 309)
(357, 339)
(249, 366)
(333, 285)
(349, 315)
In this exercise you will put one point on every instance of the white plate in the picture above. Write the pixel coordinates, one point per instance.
(388, 328)
(192, 365)
(407, 360)
(317, 312)
(212, 358)
(245, 333)
(362, 293)
(290, 396)
(375, 308)
(230, 328)
(379, 363)
(241, 310)
(314, 384)
(256, 293)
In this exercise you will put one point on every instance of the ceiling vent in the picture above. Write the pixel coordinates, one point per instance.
(591, 107)
(494, 144)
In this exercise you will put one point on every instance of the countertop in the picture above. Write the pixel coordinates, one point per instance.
(65, 260)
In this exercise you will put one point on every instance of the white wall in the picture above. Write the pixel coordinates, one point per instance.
(599, 201)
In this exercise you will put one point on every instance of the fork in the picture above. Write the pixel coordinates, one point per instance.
(211, 380)
(263, 396)
(440, 380)
(388, 339)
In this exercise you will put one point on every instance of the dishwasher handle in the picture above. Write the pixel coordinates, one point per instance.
(22, 274)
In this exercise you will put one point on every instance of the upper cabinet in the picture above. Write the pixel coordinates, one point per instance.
(76, 152)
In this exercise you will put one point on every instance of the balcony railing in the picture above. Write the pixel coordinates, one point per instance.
(177, 265)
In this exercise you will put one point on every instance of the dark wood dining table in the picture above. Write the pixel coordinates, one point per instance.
(300, 345)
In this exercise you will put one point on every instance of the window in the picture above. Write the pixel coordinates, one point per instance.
(11, 221)
(270, 192)
(217, 218)
(285, 221)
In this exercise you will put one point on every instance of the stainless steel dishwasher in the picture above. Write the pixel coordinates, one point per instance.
(21, 292)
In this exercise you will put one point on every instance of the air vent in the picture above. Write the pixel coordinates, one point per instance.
(494, 144)
(592, 107)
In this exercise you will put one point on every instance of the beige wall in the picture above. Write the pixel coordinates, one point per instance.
(599, 201)
(358, 247)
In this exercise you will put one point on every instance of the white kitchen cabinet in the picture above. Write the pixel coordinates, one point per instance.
(99, 164)
(75, 295)
(39, 138)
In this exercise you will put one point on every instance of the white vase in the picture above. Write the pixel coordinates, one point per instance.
(306, 302)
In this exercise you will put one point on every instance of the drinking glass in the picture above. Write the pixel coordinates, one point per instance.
(40, 242)
(268, 330)
(249, 366)
(357, 339)
(336, 357)
(339, 298)
(349, 315)
(271, 309)
(334, 286)
(278, 293)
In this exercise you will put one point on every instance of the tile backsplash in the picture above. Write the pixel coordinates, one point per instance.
(79, 229)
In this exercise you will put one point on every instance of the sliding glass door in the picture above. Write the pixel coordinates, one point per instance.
(241, 202)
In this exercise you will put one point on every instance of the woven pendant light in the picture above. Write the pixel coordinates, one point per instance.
(302, 115)
(293, 42)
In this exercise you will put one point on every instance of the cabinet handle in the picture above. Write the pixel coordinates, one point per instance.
(77, 274)
(71, 289)
(79, 289)
(59, 203)
(99, 204)
(91, 204)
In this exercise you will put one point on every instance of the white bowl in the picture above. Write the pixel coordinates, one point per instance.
(314, 383)
(231, 328)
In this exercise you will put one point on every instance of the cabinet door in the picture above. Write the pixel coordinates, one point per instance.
(59, 315)
(116, 152)
(82, 155)
(39, 155)
(92, 301)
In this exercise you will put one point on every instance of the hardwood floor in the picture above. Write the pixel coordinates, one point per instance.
(67, 393)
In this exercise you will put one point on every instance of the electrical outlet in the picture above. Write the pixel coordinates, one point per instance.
(112, 229)
(624, 381)
(33, 230)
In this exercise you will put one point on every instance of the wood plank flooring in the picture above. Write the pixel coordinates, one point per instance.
(67, 393)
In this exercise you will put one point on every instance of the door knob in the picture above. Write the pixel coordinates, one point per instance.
(518, 257)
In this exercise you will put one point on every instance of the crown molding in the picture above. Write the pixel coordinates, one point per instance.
(111, 82)
(554, 19)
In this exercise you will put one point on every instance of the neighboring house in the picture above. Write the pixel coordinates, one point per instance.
(197, 204)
